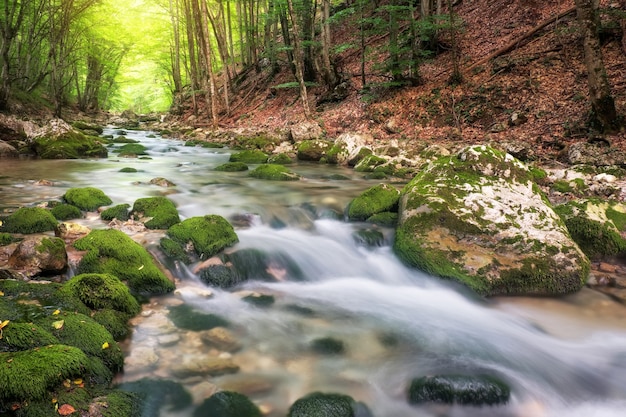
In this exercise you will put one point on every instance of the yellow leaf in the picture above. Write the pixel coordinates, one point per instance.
(56, 312)
(58, 324)
(54, 401)
(1, 293)
(140, 268)
(67, 383)
(105, 345)
(78, 381)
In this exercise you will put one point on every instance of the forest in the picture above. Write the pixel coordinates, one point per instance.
(155, 55)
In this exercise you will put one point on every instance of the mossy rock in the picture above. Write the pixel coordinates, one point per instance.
(162, 211)
(29, 220)
(328, 346)
(157, 395)
(24, 301)
(120, 212)
(369, 164)
(313, 150)
(273, 172)
(473, 390)
(30, 374)
(116, 322)
(5, 239)
(280, 159)
(596, 226)
(117, 403)
(128, 170)
(186, 317)
(385, 219)
(370, 238)
(132, 149)
(319, 404)
(232, 167)
(123, 139)
(259, 300)
(478, 217)
(84, 126)
(102, 291)
(220, 276)
(228, 404)
(66, 212)
(23, 336)
(209, 234)
(174, 250)
(377, 199)
(113, 252)
(69, 145)
(204, 144)
(87, 198)
(250, 156)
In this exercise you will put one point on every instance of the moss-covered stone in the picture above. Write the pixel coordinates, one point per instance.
(593, 224)
(377, 199)
(23, 336)
(119, 212)
(328, 346)
(39, 255)
(459, 389)
(251, 156)
(386, 219)
(313, 150)
(5, 239)
(69, 145)
(158, 394)
(280, 159)
(319, 404)
(186, 317)
(232, 167)
(116, 322)
(274, 172)
(24, 301)
(228, 404)
(204, 144)
(208, 234)
(132, 150)
(66, 212)
(102, 291)
(369, 163)
(259, 300)
(369, 237)
(29, 220)
(128, 170)
(123, 139)
(112, 252)
(28, 375)
(84, 126)
(479, 218)
(162, 211)
(87, 198)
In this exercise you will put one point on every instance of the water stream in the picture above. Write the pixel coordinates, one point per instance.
(561, 356)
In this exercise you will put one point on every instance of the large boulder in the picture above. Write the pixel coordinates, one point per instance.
(377, 199)
(29, 220)
(204, 236)
(305, 131)
(156, 212)
(7, 151)
(347, 147)
(473, 390)
(39, 255)
(478, 217)
(313, 150)
(58, 140)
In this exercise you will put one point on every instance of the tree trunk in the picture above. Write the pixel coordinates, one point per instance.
(622, 23)
(9, 23)
(175, 17)
(206, 49)
(298, 60)
(327, 69)
(602, 104)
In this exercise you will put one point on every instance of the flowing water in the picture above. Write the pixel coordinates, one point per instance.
(560, 356)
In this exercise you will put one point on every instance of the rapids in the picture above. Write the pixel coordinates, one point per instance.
(561, 357)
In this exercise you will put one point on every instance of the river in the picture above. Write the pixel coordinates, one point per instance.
(563, 356)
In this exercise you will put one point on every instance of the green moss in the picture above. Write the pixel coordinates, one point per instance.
(328, 346)
(280, 159)
(174, 250)
(128, 170)
(228, 404)
(459, 389)
(313, 150)
(119, 403)
(539, 175)
(28, 375)
(102, 291)
(23, 336)
(116, 322)
(87, 126)
(132, 149)
(70, 145)
(54, 247)
(377, 199)
(66, 212)
(274, 172)
(259, 300)
(209, 234)
(5, 239)
(386, 219)
(28, 302)
(617, 217)
(29, 220)
(319, 404)
(162, 210)
(87, 198)
(562, 186)
(369, 237)
(186, 317)
(124, 139)
(249, 157)
(204, 144)
(112, 252)
(157, 395)
(119, 212)
(338, 149)
(540, 276)
(369, 163)
(594, 238)
(232, 167)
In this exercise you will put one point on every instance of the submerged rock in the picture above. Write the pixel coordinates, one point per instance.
(478, 217)
(459, 389)
(320, 404)
(228, 404)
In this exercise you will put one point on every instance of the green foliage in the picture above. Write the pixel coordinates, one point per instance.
(250, 156)
(273, 172)
(66, 212)
(87, 198)
(209, 234)
(113, 252)
(162, 210)
(232, 167)
(102, 291)
(119, 212)
(377, 199)
(228, 404)
(29, 220)
(27, 375)
(460, 389)
(319, 404)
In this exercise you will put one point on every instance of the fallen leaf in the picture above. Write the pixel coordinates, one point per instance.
(67, 383)
(4, 324)
(78, 381)
(140, 268)
(58, 324)
(56, 312)
(105, 345)
(1, 293)
(66, 410)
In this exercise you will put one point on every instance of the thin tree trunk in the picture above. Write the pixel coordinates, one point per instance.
(206, 46)
(175, 17)
(298, 60)
(602, 103)
(327, 70)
